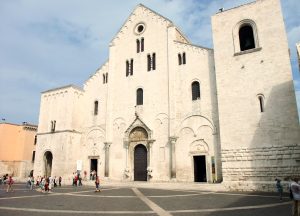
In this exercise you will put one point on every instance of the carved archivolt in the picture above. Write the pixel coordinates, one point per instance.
(138, 134)
(199, 147)
(194, 122)
(94, 137)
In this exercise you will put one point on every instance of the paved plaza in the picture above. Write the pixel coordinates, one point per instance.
(140, 199)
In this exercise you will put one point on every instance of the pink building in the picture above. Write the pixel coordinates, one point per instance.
(17, 148)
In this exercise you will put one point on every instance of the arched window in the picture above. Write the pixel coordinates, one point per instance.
(246, 37)
(261, 103)
(142, 45)
(139, 96)
(195, 90)
(179, 59)
(103, 78)
(183, 58)
(137, 45)
(96, 108)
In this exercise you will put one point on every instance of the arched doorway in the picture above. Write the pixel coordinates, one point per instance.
(140, 163)
(48, 163)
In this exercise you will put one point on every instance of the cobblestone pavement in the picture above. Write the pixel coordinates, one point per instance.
(128, 200)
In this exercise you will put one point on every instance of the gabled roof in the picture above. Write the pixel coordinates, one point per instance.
(63, 87)
(138, 7)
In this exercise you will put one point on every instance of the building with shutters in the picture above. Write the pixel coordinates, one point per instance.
(164, 109)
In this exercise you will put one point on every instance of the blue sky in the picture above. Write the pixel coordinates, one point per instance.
(48, 44)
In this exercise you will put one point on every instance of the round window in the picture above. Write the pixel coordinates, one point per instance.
(140, 28)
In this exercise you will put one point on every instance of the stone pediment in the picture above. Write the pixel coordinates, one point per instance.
(139, 11)
(139, 126)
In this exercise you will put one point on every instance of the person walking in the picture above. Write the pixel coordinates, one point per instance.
(295, 189)
(279, 188)
(31, 182)
(10, 182)
(59, 181)
(97, 183)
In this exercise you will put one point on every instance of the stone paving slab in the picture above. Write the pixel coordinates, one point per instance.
(122, 200)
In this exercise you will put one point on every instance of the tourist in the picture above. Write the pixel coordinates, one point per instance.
(10, 182)
(79, 180)
(55, 181)
(28, 182)
(59, 181)
(295, 188)
(31, 182)
(97, 183)
(46, 185)
(279, 188)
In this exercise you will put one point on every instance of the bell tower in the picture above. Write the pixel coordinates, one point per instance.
(259, 127)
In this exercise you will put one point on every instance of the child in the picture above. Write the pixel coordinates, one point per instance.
(279, 188)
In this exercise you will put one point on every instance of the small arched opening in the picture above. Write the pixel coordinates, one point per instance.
(48, 157)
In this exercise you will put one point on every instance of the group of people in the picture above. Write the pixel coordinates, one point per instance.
(77, 179)
(294, 191)
(7, 180)
(46, 184)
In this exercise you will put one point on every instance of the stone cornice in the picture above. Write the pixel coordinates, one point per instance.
(61, 131)
(192, 45)
(63, 87)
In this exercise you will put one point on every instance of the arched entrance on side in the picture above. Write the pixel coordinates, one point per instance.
(140, 163)
(48, 157)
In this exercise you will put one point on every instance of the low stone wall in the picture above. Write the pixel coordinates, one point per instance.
(19, 169)
(255, 169)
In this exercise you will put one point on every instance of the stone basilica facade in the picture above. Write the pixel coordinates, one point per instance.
(164, 109)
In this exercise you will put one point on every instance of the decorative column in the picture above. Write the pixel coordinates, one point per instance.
(106, 169)
(126, 170)
(172, 141)
(150, 142)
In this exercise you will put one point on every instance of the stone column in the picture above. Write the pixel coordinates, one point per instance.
(150, 142)
(172, 141)
(106, 169)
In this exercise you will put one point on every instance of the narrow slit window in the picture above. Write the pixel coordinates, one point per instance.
(139, 96)
(127, 68)
(33, 156)
(179, 59)
(142, 45)
(153, 61)
(261, 103)
(137, 45)
(54, 125)
(183, 58)
(148, 62)
(106, 75)
(103, 79)
(96, 103)
(131, 67)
